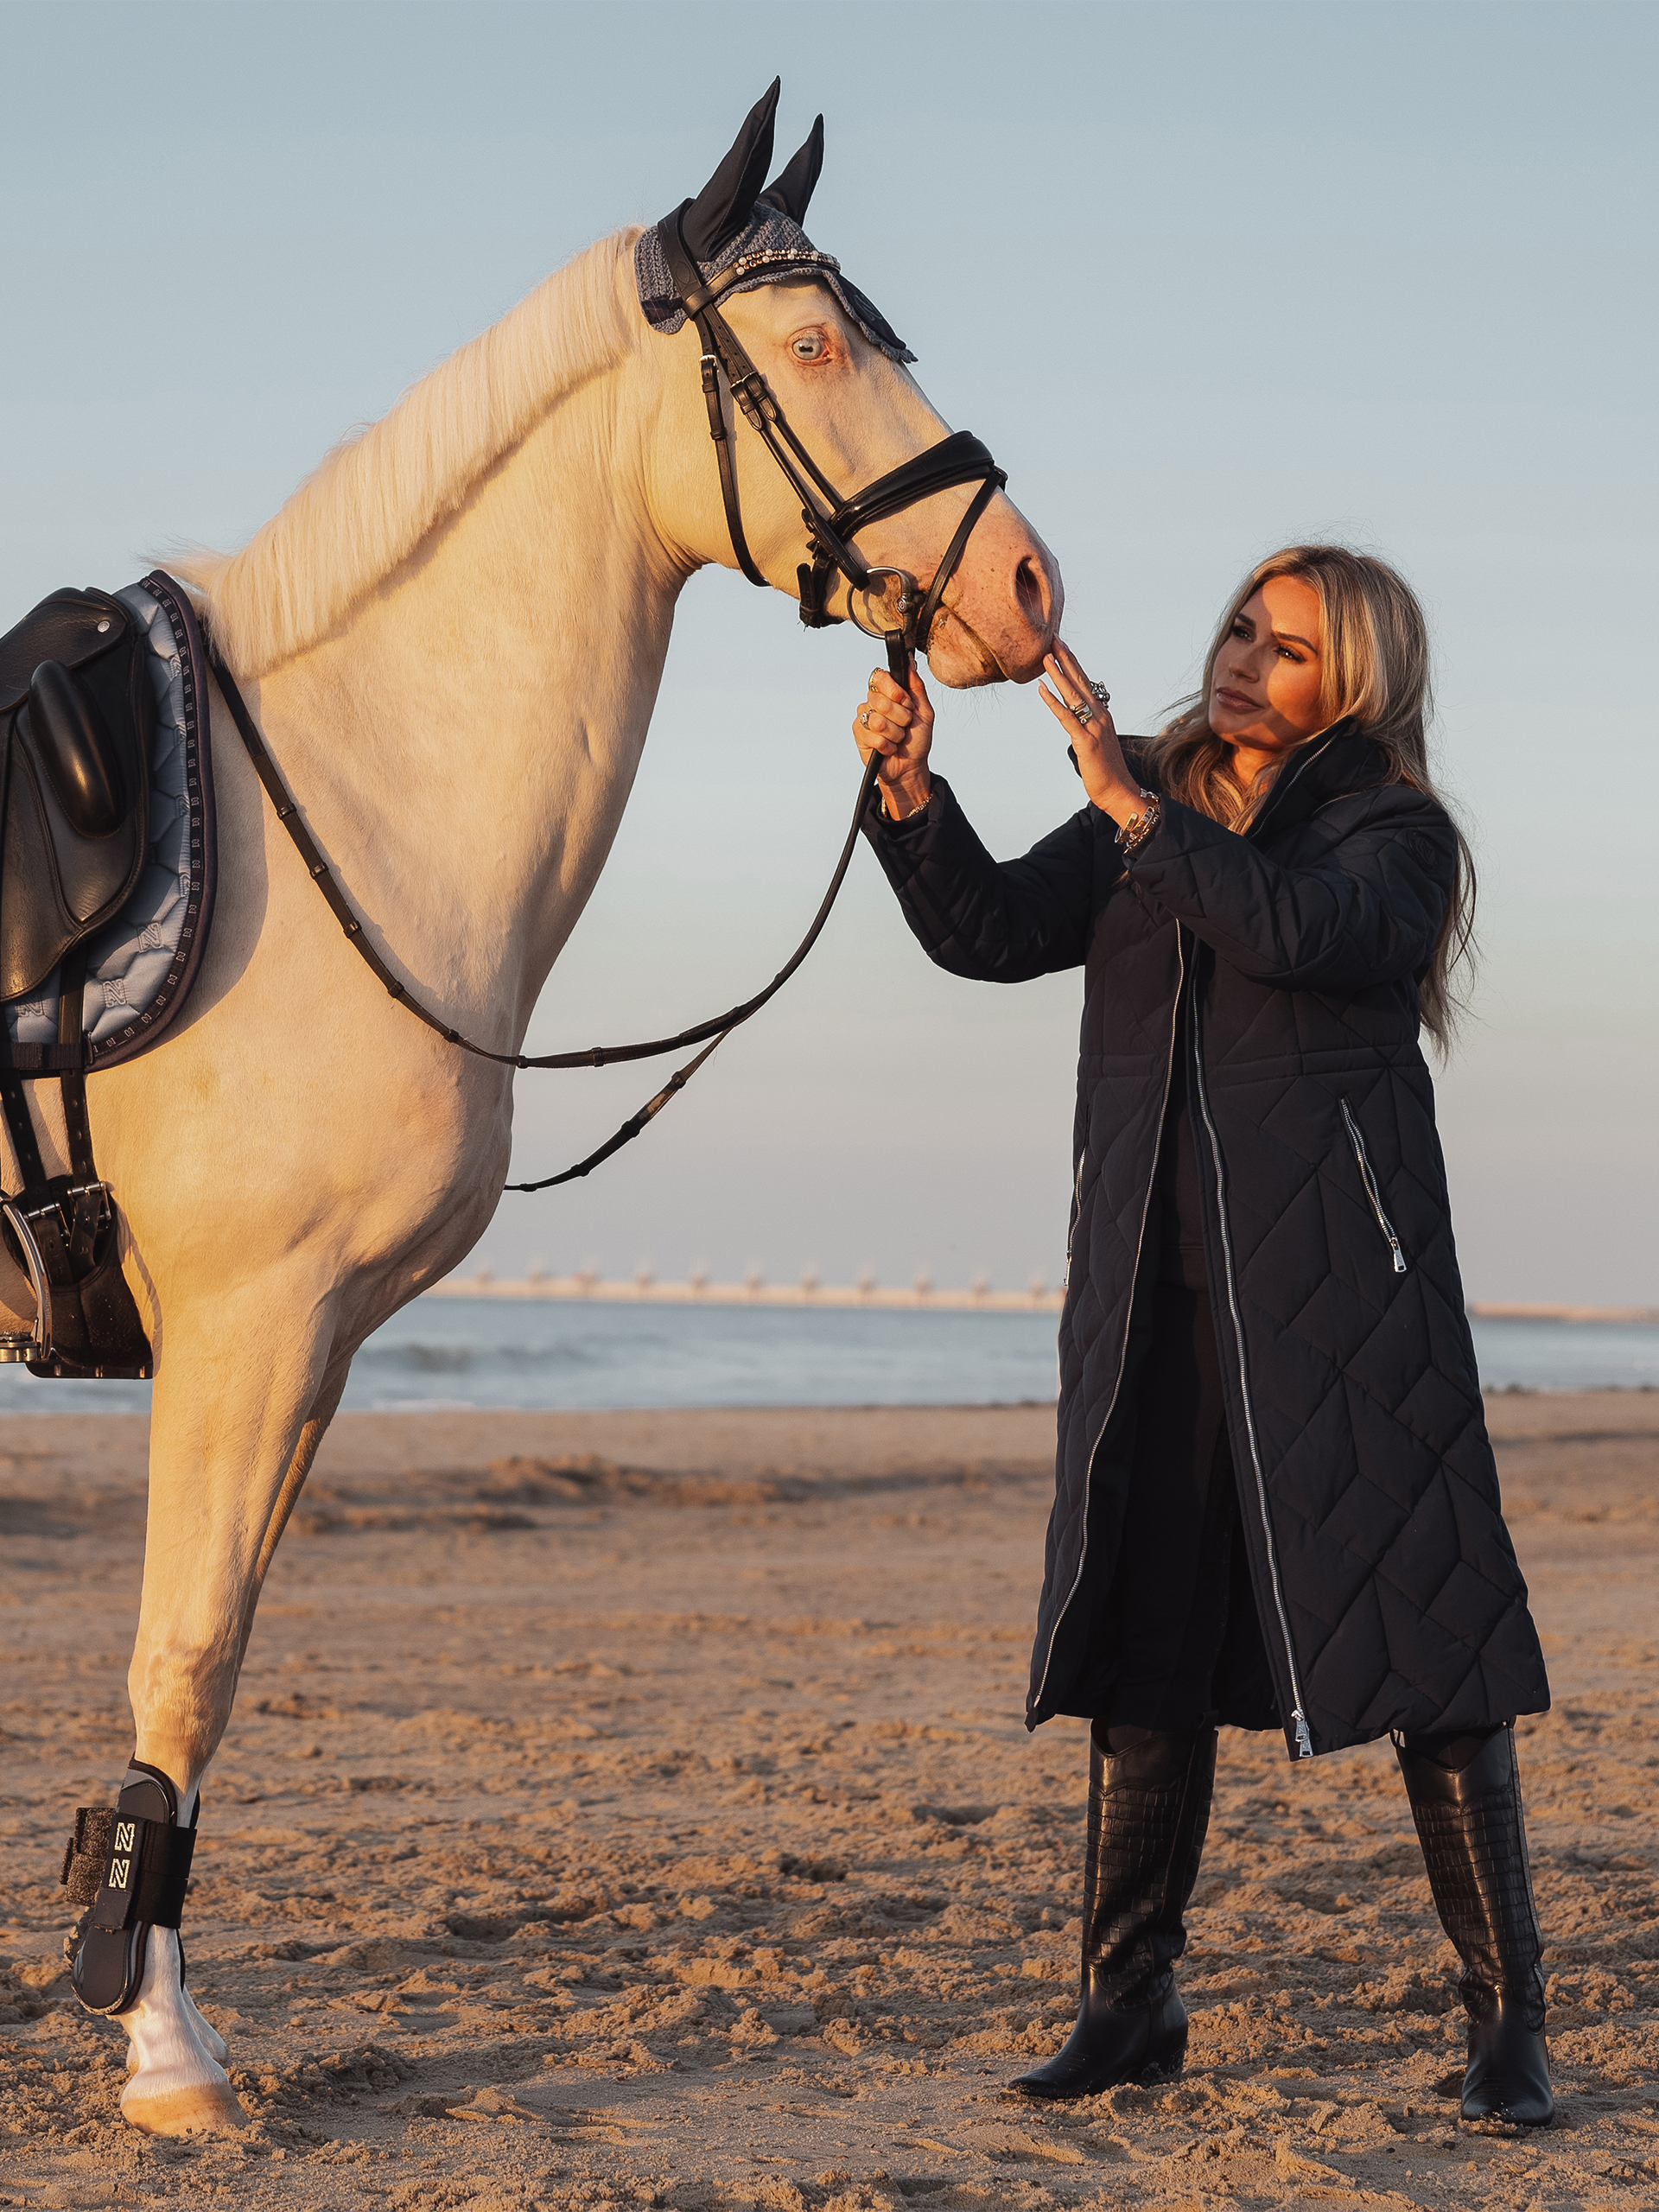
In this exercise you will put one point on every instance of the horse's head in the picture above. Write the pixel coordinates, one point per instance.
(777, 335)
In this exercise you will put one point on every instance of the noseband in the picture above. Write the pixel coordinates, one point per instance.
(831, 521)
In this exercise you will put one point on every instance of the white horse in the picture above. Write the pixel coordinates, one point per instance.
(452, 637)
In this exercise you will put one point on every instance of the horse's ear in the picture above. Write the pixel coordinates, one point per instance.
(792, 189)
(724, 205)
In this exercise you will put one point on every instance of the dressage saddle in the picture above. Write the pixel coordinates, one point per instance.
(77, 713)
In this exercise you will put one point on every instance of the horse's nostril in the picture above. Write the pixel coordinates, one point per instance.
(1030, 592)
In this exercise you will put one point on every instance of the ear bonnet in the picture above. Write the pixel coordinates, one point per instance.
(734, 224)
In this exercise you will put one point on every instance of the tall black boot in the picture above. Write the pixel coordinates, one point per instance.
(1149, 1809)
(1474, 1840)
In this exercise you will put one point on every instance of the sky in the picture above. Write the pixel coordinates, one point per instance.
(1207, 279)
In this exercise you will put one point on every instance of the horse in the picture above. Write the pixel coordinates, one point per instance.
(451, 638)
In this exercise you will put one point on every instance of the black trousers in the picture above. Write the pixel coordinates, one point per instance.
(1183, 1634)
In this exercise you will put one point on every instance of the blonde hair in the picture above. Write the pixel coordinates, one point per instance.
(1375, 665)
(368, 504)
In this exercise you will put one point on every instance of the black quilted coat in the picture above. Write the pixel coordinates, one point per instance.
(1387, 1588)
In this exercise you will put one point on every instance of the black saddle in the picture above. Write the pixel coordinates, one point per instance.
(77, 715)
(77, 711)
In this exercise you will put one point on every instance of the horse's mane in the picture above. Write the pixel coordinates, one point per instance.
(369, 504)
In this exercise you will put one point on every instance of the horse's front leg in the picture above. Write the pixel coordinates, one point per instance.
(237, 1417)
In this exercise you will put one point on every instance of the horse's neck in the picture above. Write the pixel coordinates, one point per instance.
(465, 746)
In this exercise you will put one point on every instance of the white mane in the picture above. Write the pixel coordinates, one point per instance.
(367, 506)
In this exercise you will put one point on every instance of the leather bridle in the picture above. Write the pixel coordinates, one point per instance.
(831, 521)
(959, 459)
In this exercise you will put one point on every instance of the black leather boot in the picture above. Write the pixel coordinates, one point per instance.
(1149, 1809)
(1474, 1840)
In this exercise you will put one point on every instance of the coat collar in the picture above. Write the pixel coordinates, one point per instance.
(1345, 759)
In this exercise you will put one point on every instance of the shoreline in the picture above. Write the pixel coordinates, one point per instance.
(443, 1410)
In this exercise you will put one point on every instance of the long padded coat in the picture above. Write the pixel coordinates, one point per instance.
(1387, 1588)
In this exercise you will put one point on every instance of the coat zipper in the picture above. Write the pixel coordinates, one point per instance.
(1370, 1181)
(1076, 1210)
(1123, 1350)
(1304, 1735)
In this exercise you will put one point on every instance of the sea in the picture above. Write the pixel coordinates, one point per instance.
(534, 1355)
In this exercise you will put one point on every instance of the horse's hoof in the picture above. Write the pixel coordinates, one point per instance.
(198, 2105)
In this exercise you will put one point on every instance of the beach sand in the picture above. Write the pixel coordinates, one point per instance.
(636, 1809)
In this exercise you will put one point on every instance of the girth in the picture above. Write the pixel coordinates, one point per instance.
(62, 1231)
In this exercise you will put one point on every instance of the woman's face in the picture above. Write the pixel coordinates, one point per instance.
(1269, 673)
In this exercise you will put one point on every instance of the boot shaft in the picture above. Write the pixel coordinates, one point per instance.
(1149, 1813)
(1471, 1824)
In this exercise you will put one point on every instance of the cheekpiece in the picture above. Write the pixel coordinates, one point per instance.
(770, 252)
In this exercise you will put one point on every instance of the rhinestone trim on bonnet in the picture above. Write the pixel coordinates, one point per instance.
(773, 247)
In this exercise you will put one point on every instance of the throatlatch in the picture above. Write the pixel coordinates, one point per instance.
(130, 1868)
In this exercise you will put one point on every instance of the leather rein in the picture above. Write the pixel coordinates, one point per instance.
(958, 458)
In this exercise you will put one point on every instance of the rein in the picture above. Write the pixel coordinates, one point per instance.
(958, 458)
(597, 1056)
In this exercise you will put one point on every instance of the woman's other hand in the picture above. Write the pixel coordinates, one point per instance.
(1093, 738)
(899, 725)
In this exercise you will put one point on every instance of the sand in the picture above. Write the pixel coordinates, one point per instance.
(663, 1831)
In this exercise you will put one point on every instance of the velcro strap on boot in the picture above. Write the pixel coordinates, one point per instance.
(127, 1869)
(86, 1854)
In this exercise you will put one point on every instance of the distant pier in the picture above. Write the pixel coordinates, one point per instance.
(919, 1296)
(1628, 1316)
(646, 1290)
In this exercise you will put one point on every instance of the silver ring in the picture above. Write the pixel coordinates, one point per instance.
(1101, 694)
(864, 716)
(1084, 713)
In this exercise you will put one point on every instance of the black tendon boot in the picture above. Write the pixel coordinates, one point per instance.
(1149, 1809)
(129, 1868)
(1474, 1840)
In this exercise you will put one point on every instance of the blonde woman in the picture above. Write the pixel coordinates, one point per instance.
(1275, 1502)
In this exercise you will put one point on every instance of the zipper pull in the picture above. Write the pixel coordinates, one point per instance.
(1303, 1739)
(1399, 1257)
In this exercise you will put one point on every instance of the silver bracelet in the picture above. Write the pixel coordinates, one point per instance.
(1134, 832)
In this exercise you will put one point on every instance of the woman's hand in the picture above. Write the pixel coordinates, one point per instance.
(899, 725)
(1105, 772)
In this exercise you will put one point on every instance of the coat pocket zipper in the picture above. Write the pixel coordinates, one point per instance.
(1077, 1214)
(1371, 1190)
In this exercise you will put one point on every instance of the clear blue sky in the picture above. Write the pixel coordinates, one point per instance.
(1206, 277)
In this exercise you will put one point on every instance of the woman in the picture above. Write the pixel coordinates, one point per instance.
(1276, 1504)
